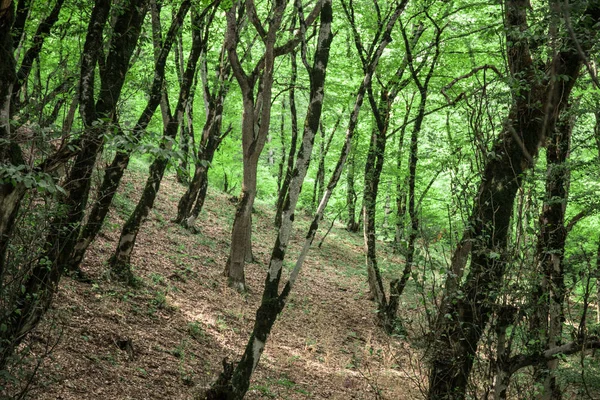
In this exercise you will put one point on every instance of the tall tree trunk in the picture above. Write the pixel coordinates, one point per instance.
(38, 288)
(114, 172)
(531, 117)
(352, 224)
(187, 211)
(255, 128)
(120, 262)
(33, 52)
(373, 168)
(324, 145)
(551, 251)
(382, 110)
(272, 301)
(10, 152)
(123, 43)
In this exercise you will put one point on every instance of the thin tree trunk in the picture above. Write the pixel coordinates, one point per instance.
(18, 25)
(551, 249)
(33, 52)
(272, 302)
(294, 123)
(120, 262)
(352, 224)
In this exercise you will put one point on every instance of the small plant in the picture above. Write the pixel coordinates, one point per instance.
(221, 323)
(157, 279)
(196, 330)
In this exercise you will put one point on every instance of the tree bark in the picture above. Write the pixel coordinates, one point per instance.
(115, 171)
(10, 152)
(532, 116)
(255, 128)
(120, 262)
(290, 159)
(352, 224)
(548, 315)
(42, 282)
(191, 202)
(272, 301)
(33, 52)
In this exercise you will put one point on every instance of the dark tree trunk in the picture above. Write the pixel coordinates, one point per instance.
(10, 152)
(283, 158)
(40, 285)
(382, 108)
(548, 315)
(18, 25)
(121, 259)
(33, 52)
(187, 211)
(114, 172)
(272, 301)
(352, 224)
(123, 43)
(532, 116)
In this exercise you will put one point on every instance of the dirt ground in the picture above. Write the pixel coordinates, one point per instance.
(166, 337)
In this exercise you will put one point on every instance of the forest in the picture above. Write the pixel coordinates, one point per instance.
(294, 199)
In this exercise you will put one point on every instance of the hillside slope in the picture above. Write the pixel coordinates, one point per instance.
(165, 338)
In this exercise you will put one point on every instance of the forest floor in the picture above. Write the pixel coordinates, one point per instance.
(166, 337)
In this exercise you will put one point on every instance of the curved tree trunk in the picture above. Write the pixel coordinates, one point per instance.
(38, 288)
(234, 384)
(115, 171)
(187, 212)
(10, 152)
(120, 262)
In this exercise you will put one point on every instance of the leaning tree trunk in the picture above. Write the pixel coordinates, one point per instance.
(532, 116)
(115, 171)
(272, 302)
(387, 308)
(39, 286)
(187, 211)
(121, 259)
(127, 29)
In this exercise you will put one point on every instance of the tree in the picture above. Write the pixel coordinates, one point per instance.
(37, 290)
(233, 383)
(114, 172)
(538, 99)
(256, 120)
(120, 262)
